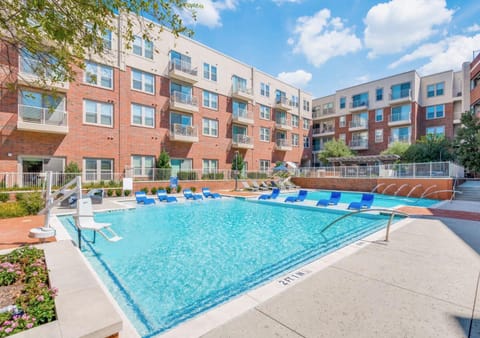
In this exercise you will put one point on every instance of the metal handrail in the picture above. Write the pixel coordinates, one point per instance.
(391, 211)
(447, 190)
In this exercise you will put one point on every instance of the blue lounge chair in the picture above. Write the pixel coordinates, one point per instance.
(162, 196)
(302, 194)
(333, 200)
(206, 192)
(272, 196)
(141, 197)
(365, 203)
(189, 195)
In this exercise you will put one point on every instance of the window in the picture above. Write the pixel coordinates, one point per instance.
(400, 135)
(98, 75)
(142, 47)
(209, 72)
(99, 113)
(342, 122)
(360, 100)
(210, 127)
(342, 137)
(295, 121)
(107, 39)
(264, 134)
(210, 100)
(265, 113)
(182, 93)
(435, 89)
(30, 100)
(379, 94)
(181, 119)
(181, 62)
(306, 105)
(210, 166)
(143, 115)
(295, 139)
(39, 64)
(378, 135)
(98, 169)
(306, 124)
(143, 165)
(379, 115)
(264, 89)
(400, 91)
(294, 101)
(435, 112)
(239, 84)
(438, 131)
(280, 97)
(264, 165)
(343, 102)
(306, 141)
(143, 81)
(401, 113)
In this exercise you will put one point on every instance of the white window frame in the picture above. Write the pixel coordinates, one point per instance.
(306, 141)
(98, 112)
(145, 47)
(265, 135)
(211, 103)
(295, 140)
(212, 127)
(343, 137)
(264, 110)
(143, 115)
(208, 73)
(144, 171)
(377, 114)
(378, 135)
(209, 168)
(435, 131)
(264, 165)
(144, 76)
(306, 124)
(99, 173)
(264, 89)
(342, 121)
(295, 121)
(97, 76)
(435, 112)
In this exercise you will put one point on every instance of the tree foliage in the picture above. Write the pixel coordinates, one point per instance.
(163, 160)
(467, 142)
(237, 163)
(334, 148)
(396, 148)
(429, 149)
(60, 35)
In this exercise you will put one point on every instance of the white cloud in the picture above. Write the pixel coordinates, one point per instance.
(209, 13)
(449, 53)
(321, 37)
(395, 25)
(473, 28)
(279, 2)
(298, 78)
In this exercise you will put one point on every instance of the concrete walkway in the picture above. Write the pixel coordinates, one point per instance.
(423, 283)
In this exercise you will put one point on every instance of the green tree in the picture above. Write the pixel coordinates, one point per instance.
(467, 142)
(163, 163)
(429, 149)
(73, 170)
(335, 148)
(59, 35)
(237, 163)
(396, 148)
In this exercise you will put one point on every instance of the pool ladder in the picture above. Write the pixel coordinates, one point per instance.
(380, 210)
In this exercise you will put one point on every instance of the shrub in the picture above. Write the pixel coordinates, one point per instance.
(168, 190)
(153, 191)
(109, 192)
(187, 175)
(4, 197)
(257, 175)
(179, 188)
(145, 190)
(193, 189)
(212, 176)
(127, 192)
(13, 209)
(9, 273)
(31, 202)
(118, 192)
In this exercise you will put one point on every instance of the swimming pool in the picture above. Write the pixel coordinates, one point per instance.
(381, 201)
(178, 260)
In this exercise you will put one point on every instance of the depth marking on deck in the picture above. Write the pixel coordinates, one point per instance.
(294, 276)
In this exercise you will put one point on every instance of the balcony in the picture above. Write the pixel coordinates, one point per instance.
(183, 133)
(240, 141)
(27, 76)
(42, 120)
(359, 105)
(399, 119)
(324, 131)
(401, 139)
(358, 144)
(242, 116)
(401, 96)
(320, 113)
(283, 145)
(283, 124)
(181, 70)
(282, 103)
(183, 102)
(242, 93)
(457, 115)
(358, 124)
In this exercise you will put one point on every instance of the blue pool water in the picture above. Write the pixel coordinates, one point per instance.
(380, 201)
(178, 260)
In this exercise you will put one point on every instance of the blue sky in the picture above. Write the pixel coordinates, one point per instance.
(325, 45)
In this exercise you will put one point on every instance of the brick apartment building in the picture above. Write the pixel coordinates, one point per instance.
(398, 108)
(177, 95)
(475, 83)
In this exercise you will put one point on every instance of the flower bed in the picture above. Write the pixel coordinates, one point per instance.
(26, 300)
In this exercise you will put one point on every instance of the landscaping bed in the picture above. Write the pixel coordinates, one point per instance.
(26, 299)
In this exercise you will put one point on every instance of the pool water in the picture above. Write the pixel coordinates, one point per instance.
(178, 260)
(380, 201)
